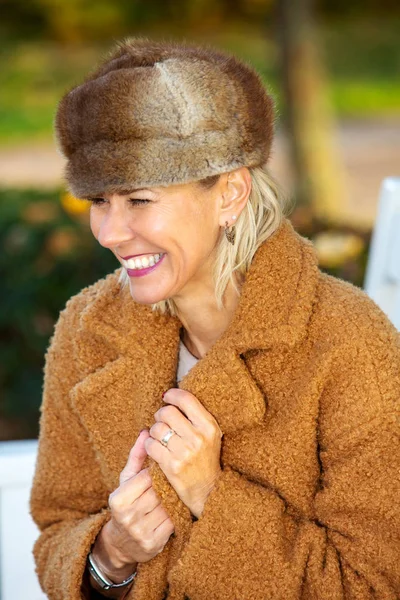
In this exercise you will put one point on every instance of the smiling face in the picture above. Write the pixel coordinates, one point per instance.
(181, 223)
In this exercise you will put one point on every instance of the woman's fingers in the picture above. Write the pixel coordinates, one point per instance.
(146, 503)
(163, 531)
(139, 527)
(187, 407)
(130, 490)
(152, 520)
(136, 458)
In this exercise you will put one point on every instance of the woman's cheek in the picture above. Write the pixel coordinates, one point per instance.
(93, 222)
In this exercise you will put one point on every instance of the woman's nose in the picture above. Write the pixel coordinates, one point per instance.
(114, 228)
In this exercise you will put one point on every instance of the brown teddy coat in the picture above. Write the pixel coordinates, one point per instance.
(305, 385)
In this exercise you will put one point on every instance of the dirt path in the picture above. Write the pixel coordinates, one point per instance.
(370, 152)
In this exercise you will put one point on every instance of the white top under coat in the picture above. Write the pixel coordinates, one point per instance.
(186, 361)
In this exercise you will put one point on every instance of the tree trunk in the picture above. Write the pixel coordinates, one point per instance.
(308, 117)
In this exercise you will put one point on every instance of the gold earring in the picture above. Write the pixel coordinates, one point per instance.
(230, 235)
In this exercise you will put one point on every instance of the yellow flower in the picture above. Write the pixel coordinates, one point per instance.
(74, 206)
(335, 248)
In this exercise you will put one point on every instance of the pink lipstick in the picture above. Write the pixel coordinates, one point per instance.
(142, 272)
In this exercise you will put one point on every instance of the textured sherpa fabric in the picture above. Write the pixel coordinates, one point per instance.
(305, 385)
(159, 113)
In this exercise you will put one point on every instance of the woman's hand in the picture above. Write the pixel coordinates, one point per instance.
(139, 526)
(191, 461)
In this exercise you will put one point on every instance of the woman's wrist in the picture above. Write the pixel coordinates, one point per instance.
(90, 585)
(112, 566)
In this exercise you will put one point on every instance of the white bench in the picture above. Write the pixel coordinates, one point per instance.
(382, 282)
(18, 532)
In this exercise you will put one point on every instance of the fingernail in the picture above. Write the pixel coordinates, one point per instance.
(141, 431)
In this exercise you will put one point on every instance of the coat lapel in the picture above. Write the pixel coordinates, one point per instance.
(120, 397)
(132, 360)
(274, 309)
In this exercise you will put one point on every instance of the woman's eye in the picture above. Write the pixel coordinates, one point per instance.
(138, 201)
(100, 201)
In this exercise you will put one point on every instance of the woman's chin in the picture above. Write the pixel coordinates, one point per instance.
(146, 296)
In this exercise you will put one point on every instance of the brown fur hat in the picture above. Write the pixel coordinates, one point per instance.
(159, 113)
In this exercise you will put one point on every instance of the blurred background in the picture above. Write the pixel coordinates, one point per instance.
(333, 67)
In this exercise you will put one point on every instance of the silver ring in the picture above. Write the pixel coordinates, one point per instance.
(165, 439)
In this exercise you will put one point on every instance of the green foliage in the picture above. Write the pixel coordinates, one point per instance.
(363, 48)
(47, 257)
(363, 59)
(72, 21)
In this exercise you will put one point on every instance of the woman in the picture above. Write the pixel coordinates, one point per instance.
(220, 419)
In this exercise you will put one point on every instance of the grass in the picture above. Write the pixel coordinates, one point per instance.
(362, 59)
(32, 80)
(366, 98)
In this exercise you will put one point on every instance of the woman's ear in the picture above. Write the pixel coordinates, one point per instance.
(236, 192)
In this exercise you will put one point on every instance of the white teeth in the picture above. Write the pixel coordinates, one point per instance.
(143, 262)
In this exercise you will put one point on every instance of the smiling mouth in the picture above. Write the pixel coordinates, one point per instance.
(142, 263)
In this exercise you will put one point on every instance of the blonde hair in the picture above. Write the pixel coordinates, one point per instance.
(260, 218)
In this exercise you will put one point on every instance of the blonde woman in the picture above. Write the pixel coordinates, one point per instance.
(219, 419)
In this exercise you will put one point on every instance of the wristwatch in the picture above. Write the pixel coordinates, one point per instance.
(101, 579)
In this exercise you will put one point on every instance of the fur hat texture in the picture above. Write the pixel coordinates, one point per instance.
(161, 113)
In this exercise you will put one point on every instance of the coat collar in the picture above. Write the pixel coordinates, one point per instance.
(139, 349)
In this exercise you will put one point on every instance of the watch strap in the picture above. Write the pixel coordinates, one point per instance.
(104, 582)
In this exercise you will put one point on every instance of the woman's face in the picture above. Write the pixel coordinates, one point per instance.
(180, 223)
